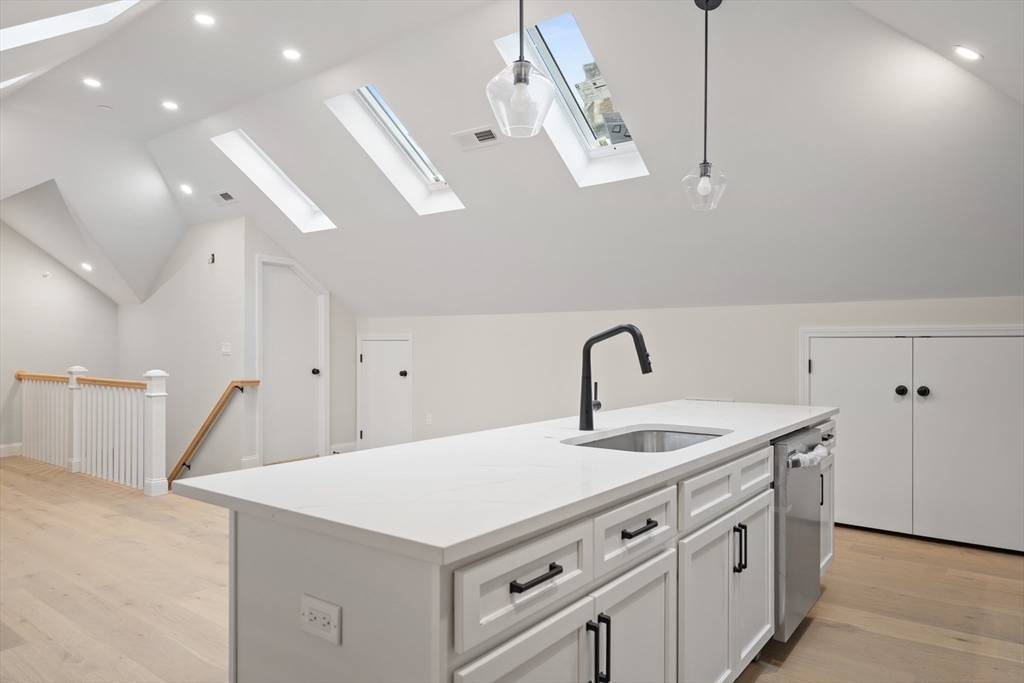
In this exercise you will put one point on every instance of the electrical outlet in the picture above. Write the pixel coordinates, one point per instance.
(430, 419)
(225, 348)
(322, 619)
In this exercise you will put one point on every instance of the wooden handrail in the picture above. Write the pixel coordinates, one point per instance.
(104, 382)
(214, 414)
(21, 374)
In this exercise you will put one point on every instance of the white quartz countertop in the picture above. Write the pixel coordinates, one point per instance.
(443, 500)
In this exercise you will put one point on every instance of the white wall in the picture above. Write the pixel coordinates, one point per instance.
(194, 308)
(482, 372)
(47, 324)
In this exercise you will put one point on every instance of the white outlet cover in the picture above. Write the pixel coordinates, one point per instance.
(225, 348)
(313, 612)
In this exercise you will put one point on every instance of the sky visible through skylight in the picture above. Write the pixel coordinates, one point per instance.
(568, 47)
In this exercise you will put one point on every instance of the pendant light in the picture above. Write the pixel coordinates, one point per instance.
(705, 185)
(521, 94)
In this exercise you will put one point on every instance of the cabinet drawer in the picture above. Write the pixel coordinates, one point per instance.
(500, 591)
(633, 529)
(707, 495)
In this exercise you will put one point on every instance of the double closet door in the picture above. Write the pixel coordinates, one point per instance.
(932, 438)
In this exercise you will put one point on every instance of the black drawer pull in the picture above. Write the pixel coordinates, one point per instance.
(738, 567)
(743, 562)
(553, 571)
(822, 500)
(606, 677)
(651, 524)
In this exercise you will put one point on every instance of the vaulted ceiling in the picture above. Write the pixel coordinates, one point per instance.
(862, 164)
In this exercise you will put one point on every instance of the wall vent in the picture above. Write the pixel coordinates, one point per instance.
(477, 137)
(222, 198)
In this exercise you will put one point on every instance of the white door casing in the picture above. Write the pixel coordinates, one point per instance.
(384, 405)
(292, 338)
(874, 464)
(969, 440)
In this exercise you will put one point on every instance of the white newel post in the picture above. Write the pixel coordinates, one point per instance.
(155, 458)
(74, 463)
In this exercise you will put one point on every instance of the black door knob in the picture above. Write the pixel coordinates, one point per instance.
(901, 390)
(316, 371)
(403, 373)
(923, 391)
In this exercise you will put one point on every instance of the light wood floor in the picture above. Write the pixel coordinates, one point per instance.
(100, 583)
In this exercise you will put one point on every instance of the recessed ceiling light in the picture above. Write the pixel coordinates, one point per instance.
(967, 53)
(186, 189)
(87, 266)
(170, 105)
(291, 54)
(205, 20)
(91, 82)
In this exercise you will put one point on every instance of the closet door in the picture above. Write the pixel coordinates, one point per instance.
(874, 458)
(968, 440)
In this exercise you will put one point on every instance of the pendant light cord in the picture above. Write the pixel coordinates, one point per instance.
(522, 57)
(705, 80)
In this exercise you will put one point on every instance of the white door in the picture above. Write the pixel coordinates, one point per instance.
(828, 529)
(753, 588)
(385, 392)
(706, 560)
(291, 372)
(636, 614)
(557, 650)
(969, 440)
(874, 465)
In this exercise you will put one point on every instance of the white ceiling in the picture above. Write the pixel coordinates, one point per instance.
(992, 28)
(857, 166)
(166, 55)
(36, 59)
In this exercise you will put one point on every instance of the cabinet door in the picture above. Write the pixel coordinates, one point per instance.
(969, 440)
(874, 474)
(828, 528)
(637, 616)
(752, 602)
(557, 650)
(706, 560)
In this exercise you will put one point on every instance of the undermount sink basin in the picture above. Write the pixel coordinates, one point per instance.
(647, 440)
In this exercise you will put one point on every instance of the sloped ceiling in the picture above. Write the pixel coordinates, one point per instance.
(42, 215)
(35, 59)
(862, 165)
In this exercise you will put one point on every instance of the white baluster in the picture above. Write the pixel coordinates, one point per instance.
(155, 463)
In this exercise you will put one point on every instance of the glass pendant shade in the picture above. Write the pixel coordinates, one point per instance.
(520, 96)
(704, 187)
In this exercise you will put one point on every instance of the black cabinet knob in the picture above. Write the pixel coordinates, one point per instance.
(923, 391)
(901, 390)
(316, 371)
(403, 373)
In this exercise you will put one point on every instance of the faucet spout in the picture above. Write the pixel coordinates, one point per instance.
(586, 397)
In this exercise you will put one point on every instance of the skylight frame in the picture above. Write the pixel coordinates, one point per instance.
(399, 135)
(570, 105)
(275, 184)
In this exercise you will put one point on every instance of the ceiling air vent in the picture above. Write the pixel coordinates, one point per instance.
(477, 137)
(222, 198)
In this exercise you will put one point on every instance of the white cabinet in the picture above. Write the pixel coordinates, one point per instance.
(726, 608)
(933, 440)
(828, 540)
(628, 624)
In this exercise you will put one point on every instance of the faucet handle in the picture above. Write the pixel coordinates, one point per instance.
(596, 403)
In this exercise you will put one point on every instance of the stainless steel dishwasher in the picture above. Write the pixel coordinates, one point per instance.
(797, 531)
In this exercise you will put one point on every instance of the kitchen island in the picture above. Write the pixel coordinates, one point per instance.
(510, 554)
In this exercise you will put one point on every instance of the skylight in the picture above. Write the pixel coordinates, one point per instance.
(51, 27)
(272, 181)
(12, 81)
(394, 129)
(381, 134)
(564, 51)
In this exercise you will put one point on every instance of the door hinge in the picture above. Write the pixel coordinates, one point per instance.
(360, 433)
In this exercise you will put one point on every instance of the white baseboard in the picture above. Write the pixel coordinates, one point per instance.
(343, 447)
(9, 449)
(250, 461)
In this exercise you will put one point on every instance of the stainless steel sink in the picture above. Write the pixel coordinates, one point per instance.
(646, 440)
